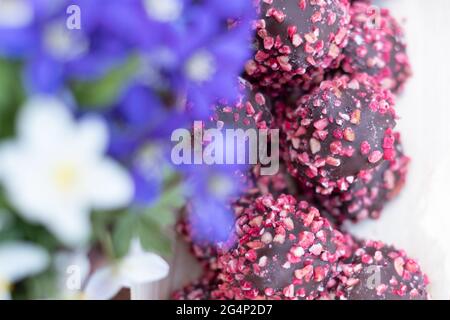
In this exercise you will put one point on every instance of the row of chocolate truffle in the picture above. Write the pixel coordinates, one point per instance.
(285, 249)
(297, 42)
(337, 140)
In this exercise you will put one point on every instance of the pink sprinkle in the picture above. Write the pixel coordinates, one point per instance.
(305, 239)
(398, 265)
(336, 147)
(349, 134)
(296, 40)
(412, 266)
(319, 273)
(338, 134)
(375, 156)
(260, 99)
(306, 272)
(365, 148)
(333, 162)
(316, 249)
(289, 291)
(268, 43)
(321, 124)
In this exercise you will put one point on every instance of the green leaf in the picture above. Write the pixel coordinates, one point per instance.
(41, 286)
(102, 223)
(163, 212)
(16, 228)
(123, 233)
(173, 198)
(11, 95)
(103, 92)
(153, 238)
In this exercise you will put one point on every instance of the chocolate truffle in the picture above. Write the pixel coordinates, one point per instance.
(376, 46)
(285, 250)
(251, 110)
(372, 189)
(257, 185)
(381, 272)
(340, 128)
(296, 40)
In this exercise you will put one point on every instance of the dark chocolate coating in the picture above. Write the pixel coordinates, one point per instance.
(286, 250)
(381, 272)
(376, 46)
(256, 186)
(302, 19)
(251, 110)
(340, 128)
(367, 196)
(295, 42)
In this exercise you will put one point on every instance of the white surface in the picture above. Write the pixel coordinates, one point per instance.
(419, 220)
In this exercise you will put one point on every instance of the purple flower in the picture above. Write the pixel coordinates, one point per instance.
(192, 45)
(188, 50)
(147, 172)
(242, 10)
(212, 220)
(212, 54)
(141, 116)
(18, 26)
(140, 127)
(109, 32)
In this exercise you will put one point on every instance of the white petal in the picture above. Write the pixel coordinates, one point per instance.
(110, 186)
(7, 158)
(164, 11)
(24, 185)
(72, 226)
(20, 260)
(104, 284)
(136, 247)
(143, 268)
(45, 123)
(16, 14)
(92, 136)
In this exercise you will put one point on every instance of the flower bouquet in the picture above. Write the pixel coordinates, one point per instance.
(90, 93)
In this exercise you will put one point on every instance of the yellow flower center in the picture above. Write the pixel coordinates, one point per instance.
(65, 176)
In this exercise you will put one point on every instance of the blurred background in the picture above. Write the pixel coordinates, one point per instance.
(90, 93)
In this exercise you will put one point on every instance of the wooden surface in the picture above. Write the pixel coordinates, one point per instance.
(419, 220)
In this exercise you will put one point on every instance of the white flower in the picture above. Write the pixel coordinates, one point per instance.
(62, 43)
(164, 11)
(17, 261)
(16, 13)
(201, 66)
(138, 267)
(56, 171)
